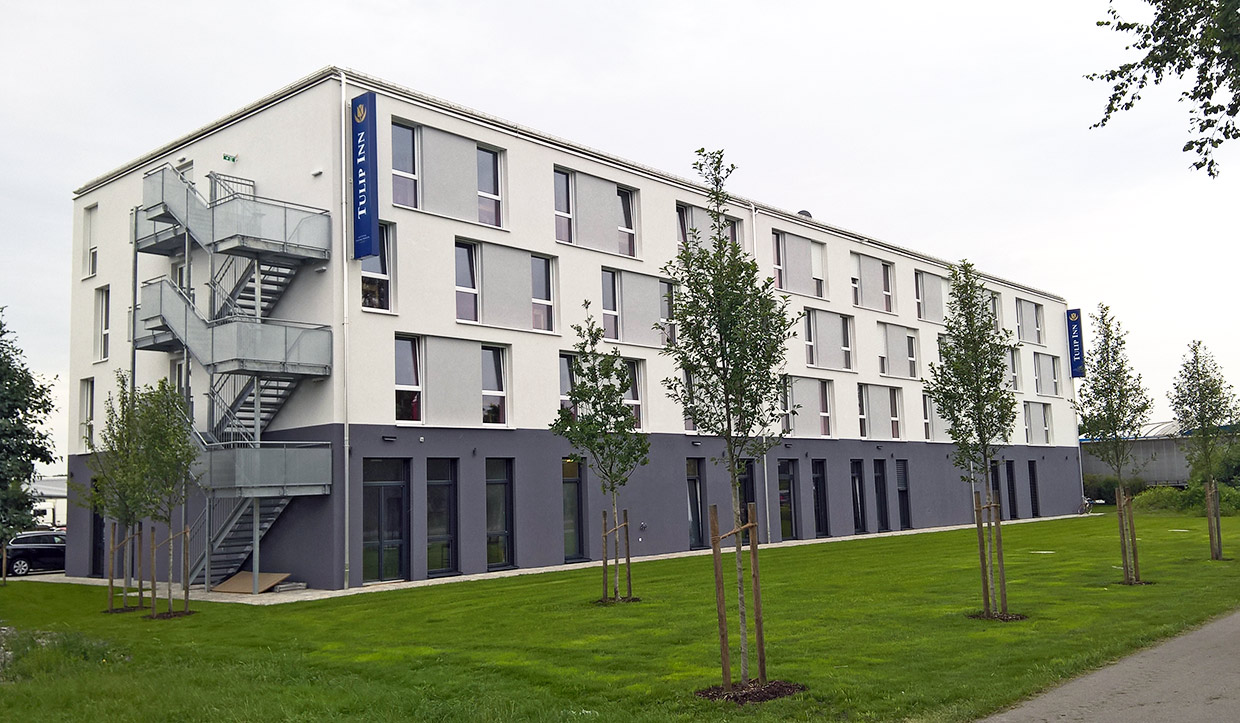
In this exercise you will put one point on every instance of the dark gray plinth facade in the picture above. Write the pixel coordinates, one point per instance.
(308, 540)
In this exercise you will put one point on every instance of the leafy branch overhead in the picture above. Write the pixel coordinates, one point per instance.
(1195, 38)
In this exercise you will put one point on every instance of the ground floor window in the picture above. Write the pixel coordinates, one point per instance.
(571, 481)
(822, 517)
(902, 493)
(858, 495)
(441, 516)
(787, 499)
(1013, 510)
(1034, 507)
(499, 514)
(385, 522)
(693, 478)
(880, 495)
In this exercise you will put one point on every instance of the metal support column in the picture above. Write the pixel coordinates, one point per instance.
(254, 574)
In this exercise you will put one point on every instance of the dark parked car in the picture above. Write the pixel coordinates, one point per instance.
(36, 551)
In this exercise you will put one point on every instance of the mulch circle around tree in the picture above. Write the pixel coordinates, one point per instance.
(751, 692)
(129, 609)
(1000, 617)
(169, 616)
(613, 601)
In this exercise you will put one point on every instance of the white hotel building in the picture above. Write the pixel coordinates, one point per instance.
(386, 418)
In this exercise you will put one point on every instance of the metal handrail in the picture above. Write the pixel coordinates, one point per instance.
(234, 318)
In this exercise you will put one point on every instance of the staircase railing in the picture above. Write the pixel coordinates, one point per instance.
(226, 395)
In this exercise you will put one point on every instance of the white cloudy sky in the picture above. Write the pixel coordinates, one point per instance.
(958, 128)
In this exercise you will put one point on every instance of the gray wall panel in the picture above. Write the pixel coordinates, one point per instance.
(805, 394)
(453, 381)
(932, 293)
(639, 304)
(506, 290)
(871, 283)
(799, 264)
(700, 219)
(598, 213)
(449, 174)
(830, 338)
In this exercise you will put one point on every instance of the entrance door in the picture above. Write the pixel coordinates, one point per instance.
(385, 520)
(440, 516)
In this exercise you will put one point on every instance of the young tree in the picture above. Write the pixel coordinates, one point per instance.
(170, 454)
(25, 402)
(1201, 37)
(598, 423)
(970, 391)
(1113, 406)
(120, 465)
(731, 337)
(1205, 407)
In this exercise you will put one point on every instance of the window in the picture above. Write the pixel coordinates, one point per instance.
(440, 516)
(1037, 322)
(693, 476)
(86, 409)
(494, 398)
(862, 409)
(1037, 374)
(404, 167)
(563, 207)
(895, 411)
(1037, 423)
(1013, 365)
(926, 416)
(811, 352)
(817, 258)
(734, 230)
(902, 493)
(574, 549)
(919, 292)
(632, 395)
(777, 241)
(376, 274)
(611, 305)
(1055, 375)
(408, 381)
(627, 231)
(822, 516)
(103, 322)
(466, 282)
(540, 283)
(888, 289)
(857, 479)
(996, 308)
(499, 514)
(1045, 374)
(566, 380)
(488, 187)
(90, 257)
(880, 495)
(911, 341)
(846, 340)
(178, 373)
(690, 425)
(666, 321)
(786, 470)
(682, 224)
(785, 407)
(824, 408)
(1034, 508)
(1029, 321)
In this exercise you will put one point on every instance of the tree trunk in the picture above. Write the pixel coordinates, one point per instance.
(981, 551)
(1209, 489)
(170, 564)
(126, 558)
(740, 581)
(111, 567)
(1123, 534)
(990, 542)
(1218, 522)
(615, 546)
(138, 547)
(606, 577)
(1132, 541)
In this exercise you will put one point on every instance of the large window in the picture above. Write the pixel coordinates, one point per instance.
(385, 511)
(611, 305)
(404, 167)
(540, 283)
(563, 207)
(693, 476)
(499, 514)
(103, 323)
(466, 282)
(377, 274)
(880, 495)
(440, 516)
(566, 380)
(488, 187)
(1029, 321)
(574, 547)
(408, 381)
(627, 231)
(494, 396)
(632, 395)
(666, 321)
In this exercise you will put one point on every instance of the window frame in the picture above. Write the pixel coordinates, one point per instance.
(896, 400)
(415, 387)
(927, 416)
(86, 409)
(499, 354)
(779, 253)
(103, 323)
(548, 304)
(569, 201)
(90, 247)
(911, 343)
(471, 250)
(863, 409)
(889, 287)
(811, 344)
(626, 236)
(566, 362)
(634, 402)
(415, 176)
(498, 195)
(682, 224)
(667, 303)
(846, 343)
(383, 278)
(919, 293)
(825, 392)
(508, 534)
(613, 313)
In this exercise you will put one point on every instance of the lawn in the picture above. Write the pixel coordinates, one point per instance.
(877, 629)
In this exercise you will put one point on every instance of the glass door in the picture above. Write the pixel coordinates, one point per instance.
(385, 524)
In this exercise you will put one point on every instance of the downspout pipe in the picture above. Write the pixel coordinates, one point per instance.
(344, 323)
(766, 491)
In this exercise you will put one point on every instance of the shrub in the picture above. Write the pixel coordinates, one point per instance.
(1102, 487)
(1190, 500)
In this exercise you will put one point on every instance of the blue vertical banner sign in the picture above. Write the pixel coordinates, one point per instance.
(365, 178)
(1076, 344)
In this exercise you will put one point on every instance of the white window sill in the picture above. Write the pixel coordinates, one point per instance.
(479, 224)
(832, 369)
(617, 254)
(383, 312)
(803, 295)
(544, 332)
(90, 276)
(99, 361)
(409, 423)
(879, 311)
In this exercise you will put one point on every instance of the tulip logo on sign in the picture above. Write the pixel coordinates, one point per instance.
(359, 113)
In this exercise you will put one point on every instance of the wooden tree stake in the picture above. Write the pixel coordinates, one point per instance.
(760, 639)
(628, 560)
(724, 657)
(981, 551)
(606, 580)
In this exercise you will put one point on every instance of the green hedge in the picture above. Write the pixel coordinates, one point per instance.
(1190, 500)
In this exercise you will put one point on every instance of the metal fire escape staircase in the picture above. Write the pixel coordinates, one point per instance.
(255, 248)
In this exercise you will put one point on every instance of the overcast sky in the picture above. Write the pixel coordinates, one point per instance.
(960, 129)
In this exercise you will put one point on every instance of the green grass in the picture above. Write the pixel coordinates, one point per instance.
(877, 630)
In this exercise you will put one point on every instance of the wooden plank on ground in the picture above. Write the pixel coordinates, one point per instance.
(243, 582)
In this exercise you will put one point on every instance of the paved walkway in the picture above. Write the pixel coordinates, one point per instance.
(1189, 679)
(291, 596)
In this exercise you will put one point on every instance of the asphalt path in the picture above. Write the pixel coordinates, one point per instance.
(1187, 679)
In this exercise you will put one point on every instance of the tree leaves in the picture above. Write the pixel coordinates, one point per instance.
(25, 403)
